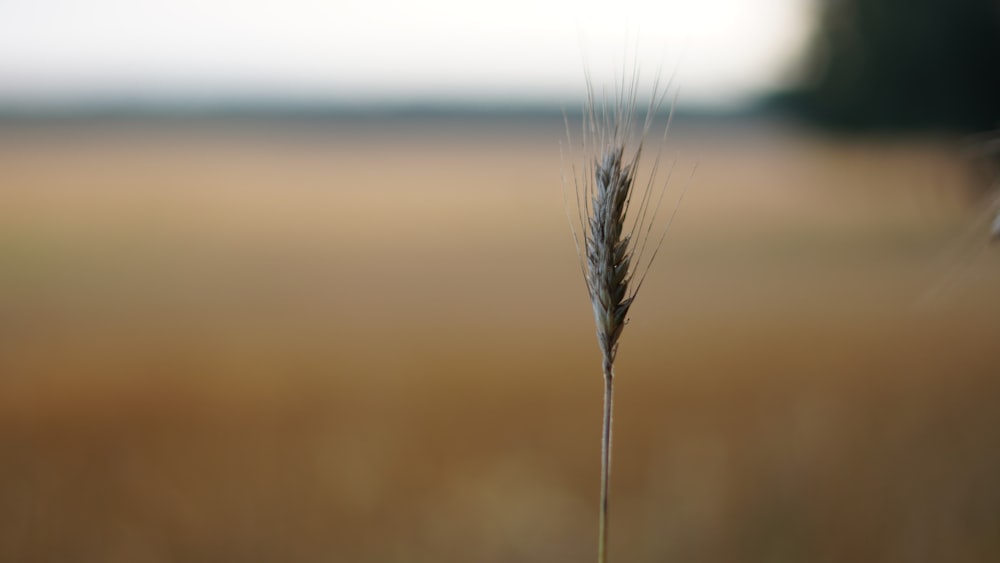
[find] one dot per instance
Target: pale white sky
(389, 50)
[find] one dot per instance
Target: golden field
(370, 342)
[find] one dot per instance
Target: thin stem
(602, 541)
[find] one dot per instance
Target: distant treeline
(883, 65)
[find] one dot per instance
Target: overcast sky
(722, 51)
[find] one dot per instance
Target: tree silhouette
(903, 65)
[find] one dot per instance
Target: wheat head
(617, 222)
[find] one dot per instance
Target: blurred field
(371, 343)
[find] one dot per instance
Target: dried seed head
(616, 226)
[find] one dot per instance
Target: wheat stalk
(616, 227)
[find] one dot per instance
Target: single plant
(616, 225)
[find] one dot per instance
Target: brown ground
(372, 344)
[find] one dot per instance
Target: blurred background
(293, 281)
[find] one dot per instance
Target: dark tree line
(902, 65)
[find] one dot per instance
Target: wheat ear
(616, 228)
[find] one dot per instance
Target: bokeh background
(294, 282)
